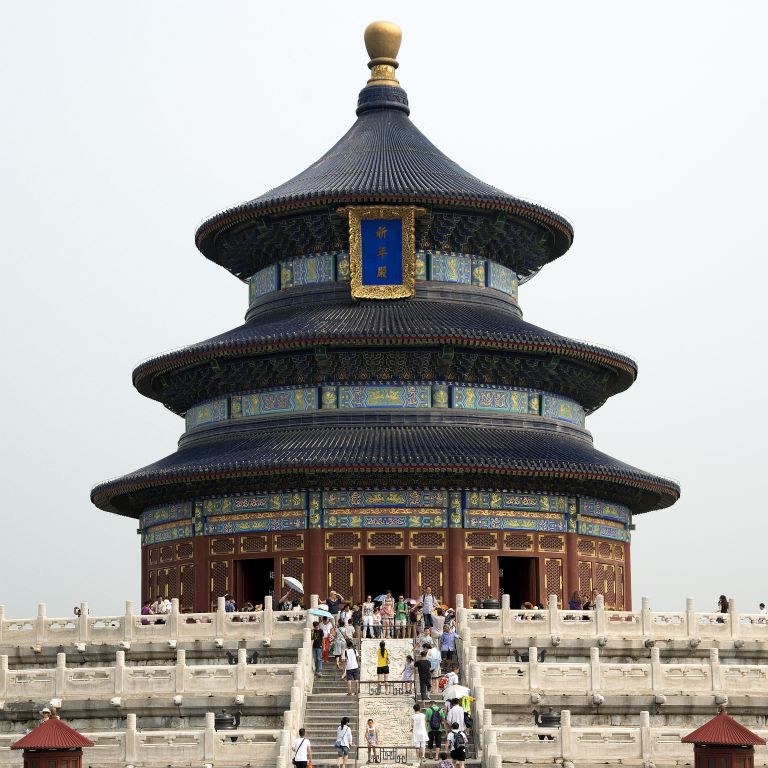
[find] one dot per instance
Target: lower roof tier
(326, 455)
(186, 376)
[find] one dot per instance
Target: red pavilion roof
(52, 734)
(724, 730)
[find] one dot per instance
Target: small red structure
(723, 743)
(53, 744)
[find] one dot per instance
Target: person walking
(424, 668)
(382, 667)
(368, 607)
(457, 744)
(302, 750)
(326, 628)
(377, 622)
(408, 671)
(433, 654)
(334, 601)
(447, 643)
(339, 643)
(317, 647)
(435, 717)
(351, 669)
(343, 741)
(401, 617)
(428, 605)
(372, 738)
(419, 736)
(388, 615)
(455, 716)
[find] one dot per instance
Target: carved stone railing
(170, 747)
(570, 746)
(131, 627)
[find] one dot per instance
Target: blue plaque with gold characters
(382, 251)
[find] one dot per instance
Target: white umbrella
(455, 692)
(294, 584)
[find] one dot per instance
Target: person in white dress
(419, 736)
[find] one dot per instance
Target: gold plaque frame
(407, 214)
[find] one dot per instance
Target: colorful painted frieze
(441, 397)
(165, 514)
(311, 270)
(388, 498)
(207, 413)
(422, 272)
(456, 511)
(265, 281)
(289, 400)
(329, 398)
(515, 501)
(605, 510)
(167, 532)
(502, 279)
(268, 521)
(394, 396)
(385, 517)
(554, 407)
(342, 266)
(286, 274)
(315, 516)
(450, 267)
(594, 526)
(501, 520)
(490, 399)
(258, 502)
(479, 271)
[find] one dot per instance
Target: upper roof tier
(384, 158)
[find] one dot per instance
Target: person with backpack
(457, 743)
(435, 716)
(351, 669)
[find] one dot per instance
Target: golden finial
(382, 41)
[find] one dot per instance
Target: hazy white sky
(122, 125)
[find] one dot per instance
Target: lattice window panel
(151, 585)
(550, 543)
(430, 569)
(586, 547)
(293, 566)
(219, 579)
(618, 552)
(187, 588)
(222, 546)
(518, 542)
(604, 550)
(340, 574)
(585, 578)
(479, 577)
(166, 553)
(253, 544)
(152, 554)
(481, 540)
(599, 578)
(427, 540)
(286, 541)
(553, 577)
(610, 586)
(620, 589)
(342, 540)
(385, 540)
(168, 582)
(184, 550)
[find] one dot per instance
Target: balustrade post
(242, 667)
(506, 615)
(221, 617)
(566, 752)
(40, 623)
(554, 615)
(533, 666)
(314, 601)
(690, 617)
(209, 736)
(600, 615)
(84, 630)
(128, 627)
(120, 674)
(60, 677)
(734, 619)
(131, 739)
(173, 619)
(3, 675)
(459, 601)
(2, 620)
(595, 669)
(268, 618)
(646, 744)
(479, 693)
(489, 740)
(656, 673)
(645, 617)
(714, 663)
(181, 669)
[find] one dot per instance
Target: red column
(627, 579)
(202, 575)
(314, 564)
(571, 568)
(457, 565)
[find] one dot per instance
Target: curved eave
(319, 457)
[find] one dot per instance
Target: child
(445, 761)
(457, 743)
(376, 622)
(408, 674)
(372, 737)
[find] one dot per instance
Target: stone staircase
(326, 705)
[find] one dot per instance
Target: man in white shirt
(351, 669)
(368, 607)
(428, 605)
(456, 715)
(302, 750)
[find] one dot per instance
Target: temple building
(385, 418)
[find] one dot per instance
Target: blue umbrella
(320, 612)
(379, 599)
